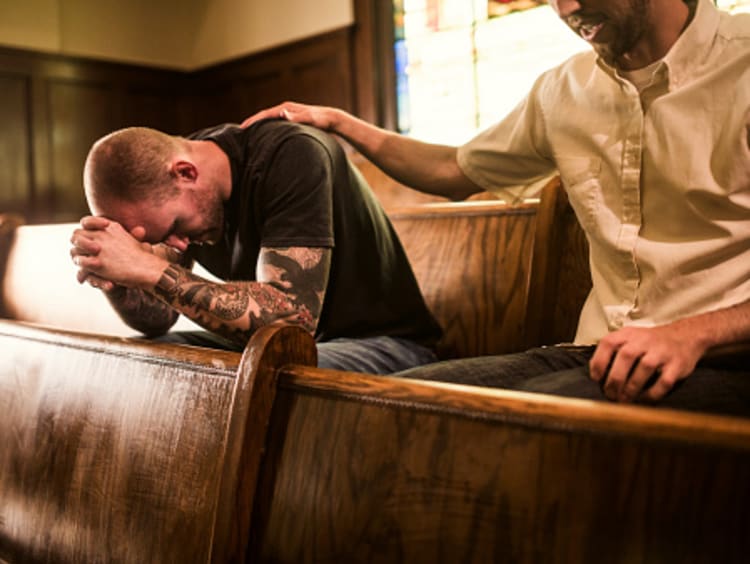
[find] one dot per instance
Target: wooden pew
(360, 468)
(356, 467)
(120, 450)
(499, 278)
(117, 450)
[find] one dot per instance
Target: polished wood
(81, 113)
(123, 450)
(173, 453)
(499, 277)
(472, 261)
(55, 107)
(524, 408)
(115, 450)
(314, 70)
(371, 469)
(15, 149)
(270, 348)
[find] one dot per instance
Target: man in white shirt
(650, 133)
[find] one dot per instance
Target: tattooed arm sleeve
(290, 289)
(143, 311)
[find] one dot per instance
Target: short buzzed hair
(131, 165)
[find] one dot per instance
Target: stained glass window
(461, 65)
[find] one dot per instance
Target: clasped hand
(107, 255)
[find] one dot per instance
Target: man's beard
(212, 211)
(629, 32)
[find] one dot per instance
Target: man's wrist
(169, 281)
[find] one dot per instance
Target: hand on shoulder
(321, 117)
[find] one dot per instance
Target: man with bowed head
(650, 133)
(279, 215)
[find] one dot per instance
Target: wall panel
(15, 143)
(52, 108)
(316, 70)
(80, 113)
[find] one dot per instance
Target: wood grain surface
(366, 469)
(112, 450)
(472, 262)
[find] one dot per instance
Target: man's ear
(185, 171)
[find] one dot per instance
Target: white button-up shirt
(660, 181)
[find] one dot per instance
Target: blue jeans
(374, 355)
(563, 370)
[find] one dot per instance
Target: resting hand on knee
(644, 363)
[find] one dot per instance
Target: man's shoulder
(569, 76)
(281, 130)
(216, 131)
(735, 26)
(582, 63)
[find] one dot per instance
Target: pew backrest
(473, 264)
(365, 468)
(113, 450)
(498, 277)
(121, 450)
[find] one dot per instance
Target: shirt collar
(690, 49)
(694, 44)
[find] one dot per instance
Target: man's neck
(216, 162)
(669, 19)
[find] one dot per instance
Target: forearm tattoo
(302, 273)
(292, 294)
(142, 311)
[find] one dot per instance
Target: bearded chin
(213, 212)
(615, 53)
(217, 218)
(607, 53)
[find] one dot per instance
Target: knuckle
(668, 380)
(649, 363)
(628, 353)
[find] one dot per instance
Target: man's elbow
(152, 328)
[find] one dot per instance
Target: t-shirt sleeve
(295, 199)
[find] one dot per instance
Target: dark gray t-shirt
(293, 186)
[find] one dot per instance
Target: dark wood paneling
(80, 114)
(316, 70)
(374, 71)
(560, 273)
(53, 107)
(151, 108)
(15, 157)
